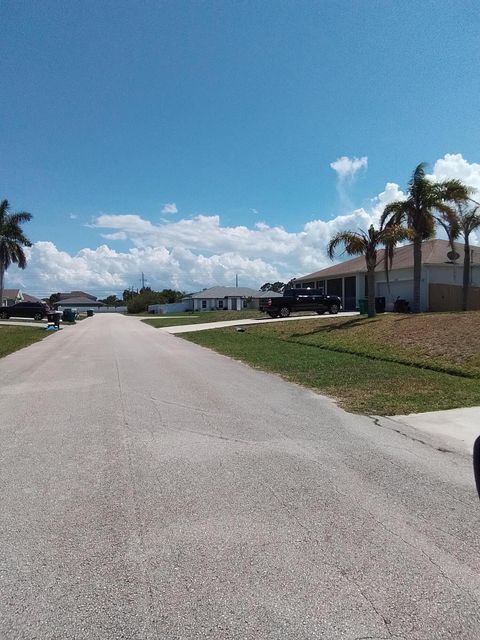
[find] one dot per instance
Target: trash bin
(363, 306)
(53, 319)
(380, 304)
(68, 315)
(89, 313)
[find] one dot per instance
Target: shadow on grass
(327, 328)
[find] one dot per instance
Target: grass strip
(15, 338)
(359, 384)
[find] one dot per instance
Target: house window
(220, 304)
(321, 285)
(204, 304)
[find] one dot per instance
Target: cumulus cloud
(346, 168)
(189, 254)
(454, 165)
(193, 253)
(170, 207)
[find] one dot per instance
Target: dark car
(35, 310)
(301, 300)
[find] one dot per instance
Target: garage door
(402, 289)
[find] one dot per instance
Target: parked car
(301, 300)
(35, 310)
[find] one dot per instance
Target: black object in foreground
(476, 463)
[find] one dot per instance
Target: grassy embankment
(14, 338)
(392, 364)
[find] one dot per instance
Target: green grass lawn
(14, 338)
(370, 366)
(201, 316)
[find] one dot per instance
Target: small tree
(465, 220)
(12, 241)
(367, 243)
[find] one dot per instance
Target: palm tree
(463, 223)
(425, 200)
(12, 240)
(366, 243)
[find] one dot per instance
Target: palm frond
(418, 174)
(353, 242)
(394, 213)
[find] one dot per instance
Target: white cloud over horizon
(197, 252)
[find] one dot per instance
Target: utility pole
(143, 280)
(236, 280)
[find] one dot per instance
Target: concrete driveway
(186, 328)
(152, 489)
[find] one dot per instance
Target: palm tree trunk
(466, 273)
(371, 292)
(2, 274)
(417, 272)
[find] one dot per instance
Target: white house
(441, 276)
(228, 298)
(11, 296)
(78, 300)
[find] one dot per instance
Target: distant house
(440, 285)
(228, 298)
(78, 300)
(11, 296)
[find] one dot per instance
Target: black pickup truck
(300, 300)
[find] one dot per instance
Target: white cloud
(73, 216)
(170, 207)
(193, 253)
(454, 165)
(119, 235)
(346, 168)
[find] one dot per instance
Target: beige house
(441, 283)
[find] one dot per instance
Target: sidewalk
(185, 328)
(458, 428)
(41, 324)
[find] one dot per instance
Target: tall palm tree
(425, 200)
(463, 223)
(12, 240)
(367, 243)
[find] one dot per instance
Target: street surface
(152, 489)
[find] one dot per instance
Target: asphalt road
(155, 490)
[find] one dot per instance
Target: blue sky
(229, 109)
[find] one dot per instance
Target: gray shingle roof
(226, 292)
(72, 302)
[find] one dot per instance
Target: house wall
(171, 307)
(400, 285)
(219, 304)
(453, 274)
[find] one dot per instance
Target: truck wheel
(37, 316)
(4, 315)
(334, 309)
(284, 312)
